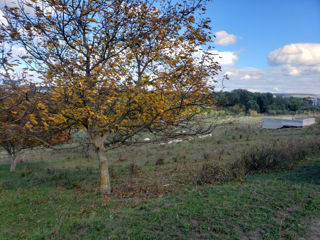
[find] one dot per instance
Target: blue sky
(259, 27)
(266, 45)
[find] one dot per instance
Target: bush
(210, 173)
(279, 155)
(159, 162)
(133, 169)
(253, 113)
(276, 155)
(237, 109)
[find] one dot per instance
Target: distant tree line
(242, 101)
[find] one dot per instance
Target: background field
(162, 191)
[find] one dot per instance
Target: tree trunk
(91, 152)
(98, 142)
(13, 162)
(105, 186)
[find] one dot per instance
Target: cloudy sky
(265, 45)
(271, 45)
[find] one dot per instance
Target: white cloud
(292, 71)
(11, 3)
(298, 71)
(229, 73)
(246, 77)
(3, 20)
(18, 51)
(253, 90)
(27, 9)
(225, 58)
(296, 54)
(271, 80)
(297, 58)
(224, 38)
(14, 50)
(249, 77)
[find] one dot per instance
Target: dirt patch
(255, 235)
(314, 231)
(282, 215)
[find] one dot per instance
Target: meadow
(240, 182)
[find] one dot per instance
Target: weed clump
(133, 169)
(206, 156)
(210, 174)
(159, 162)
(6, 184)
(26, 171)
(121, 158)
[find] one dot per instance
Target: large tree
(117, 67)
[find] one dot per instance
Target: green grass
(269, 205)
(58, 197)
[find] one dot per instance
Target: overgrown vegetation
(214, 187)
(268, 206)
(277, 155)
(262, 157)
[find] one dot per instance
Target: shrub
(210, 173)
(133, 169)
(276, 155)
(279, 155)
(160, 161)
(253, 113)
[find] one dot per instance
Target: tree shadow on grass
(308, 172)
(40, 174)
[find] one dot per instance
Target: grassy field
(157, 193)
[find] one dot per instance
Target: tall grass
(261, 157)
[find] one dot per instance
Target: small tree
(117, 67)
(253, 105)
(22, 123)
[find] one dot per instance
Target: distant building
(276, 123)
(315, 101)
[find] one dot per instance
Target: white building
(315, 101)
(276, 123)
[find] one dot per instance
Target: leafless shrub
(133, 169)
(221, 153)
(175, 159)
(6, 184)
(210, 173)
(206, 156)
(121, 158)
(160, 161)
(113, 173)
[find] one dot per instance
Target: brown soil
(314, 231)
